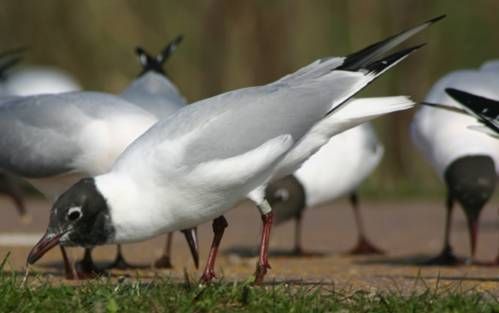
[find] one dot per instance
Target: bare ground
(410, 232)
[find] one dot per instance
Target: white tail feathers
(358, 111)
(369, 108)
(354, 113)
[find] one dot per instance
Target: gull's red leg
(219, 225)
(263, 260)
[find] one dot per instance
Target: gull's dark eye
(74, 214)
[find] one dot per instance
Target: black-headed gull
(485, 110)
(205, 158)
(53, 151)
(53, 140)
(466, 160)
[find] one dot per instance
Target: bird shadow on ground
(56, 268)
(251, 252)
(421, 260)
(457, 278)
(298, 282)
(409, 260)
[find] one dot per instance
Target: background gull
(485, 110)
(466, 160)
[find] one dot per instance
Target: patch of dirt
(410, 232)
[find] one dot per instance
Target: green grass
(165, 295)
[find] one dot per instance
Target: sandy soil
(408, 231)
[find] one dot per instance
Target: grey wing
(34, 143)
(239, 121)
(39, 134)
(155, 94)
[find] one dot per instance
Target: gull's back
(154, 93)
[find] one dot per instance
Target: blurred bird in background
(466, 160)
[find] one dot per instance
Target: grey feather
(154, 93)
(38, 133)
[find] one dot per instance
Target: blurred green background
(231, 44)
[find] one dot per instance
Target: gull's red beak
(48, 241)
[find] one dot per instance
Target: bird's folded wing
(41, 135)
(254, 165)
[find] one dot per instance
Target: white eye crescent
(74, 213)
(282, 194)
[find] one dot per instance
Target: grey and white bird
(467, 161)
(485, 110)
(28, 80)
(53, 151)
(200, 162)
(335, 171)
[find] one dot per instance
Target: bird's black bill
(191, 235)
(48, 241)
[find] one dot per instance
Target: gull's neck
(135, 213)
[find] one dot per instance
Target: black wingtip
(169, 49)
(178, 39)
(436, 19)
(457, 94)
(386, 62)
(479, 105)
(361, 58)
(155, 64)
